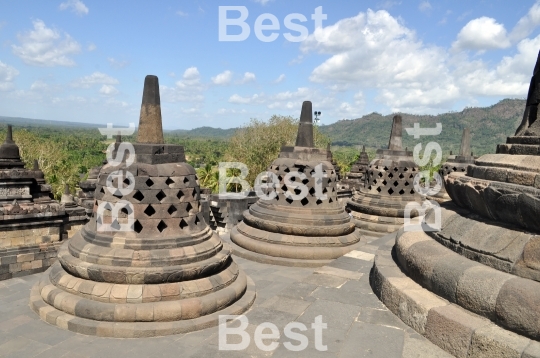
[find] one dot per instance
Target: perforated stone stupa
(310, 231)
(165, 272)
(355, 179)
(378, 207)
(473, 288)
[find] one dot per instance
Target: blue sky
(85, 61)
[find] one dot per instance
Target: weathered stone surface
(452, 329)
(491, 341)
(312, 227)
(163, 272)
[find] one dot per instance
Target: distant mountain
(28, 122)
(489, 126)
(206, 132)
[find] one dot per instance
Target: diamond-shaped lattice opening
(454, 168)
(330, 200)
(161, 226)
(189, 207)
(286, 170)
(304, 201)
(380, 175)
(161, 195)
(305, 181)
(297, 191)
(405, 169)
(406, 183)
(138, 196)
(124, 210)
(401, 192)
(374, 181)
(180, 194)
(312, 191)
(324, 191)
(318, 202)
(102, 191)
(463, 169)
(172, 209)
(284, 188)
(411, 176)
(384, 182)
(186, 180)
(127, 181)
(149, 210)
(396, 169)
(194, 193)
(369, 187)
(401, 176)
(280, 178)
(413, 169)
(390, 175)
(149, 182)
(412, 191)
(396, 183)
(301, 170)
(183, 224)
(390, 191)
(137, 227)
(386, 168)
(379, 189)
(169, 181)
(197, 220)
(289, 200)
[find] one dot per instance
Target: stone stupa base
(454, 329)
(285, 255)
(134, 311)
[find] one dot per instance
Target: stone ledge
(136, 329)
(447, 325)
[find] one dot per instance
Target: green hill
(489, 126)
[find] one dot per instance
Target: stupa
(31, 221)
(310, 230)
(473, 287)
(378, 208)
(455, 163)
(146, 264)
(355, 179)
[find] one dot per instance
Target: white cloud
(108, 90)
(248, 77)
(255, 99)
(425, 6)
(526, 24)
(7, 75)
(223, 78)
(116, 63)
(482, 34)
(280, 79)
(39, 86)
(94, 78)
(77, 6)
(43, 46)
(182, 14)
(263, 2)
(91, 47)
(188, 89)
(375, 52)
(388, 4)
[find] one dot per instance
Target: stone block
(492, 341)
(452, 328)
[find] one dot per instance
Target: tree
(258, 143)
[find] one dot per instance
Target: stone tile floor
(358, 324)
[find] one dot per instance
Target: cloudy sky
(85, 61)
